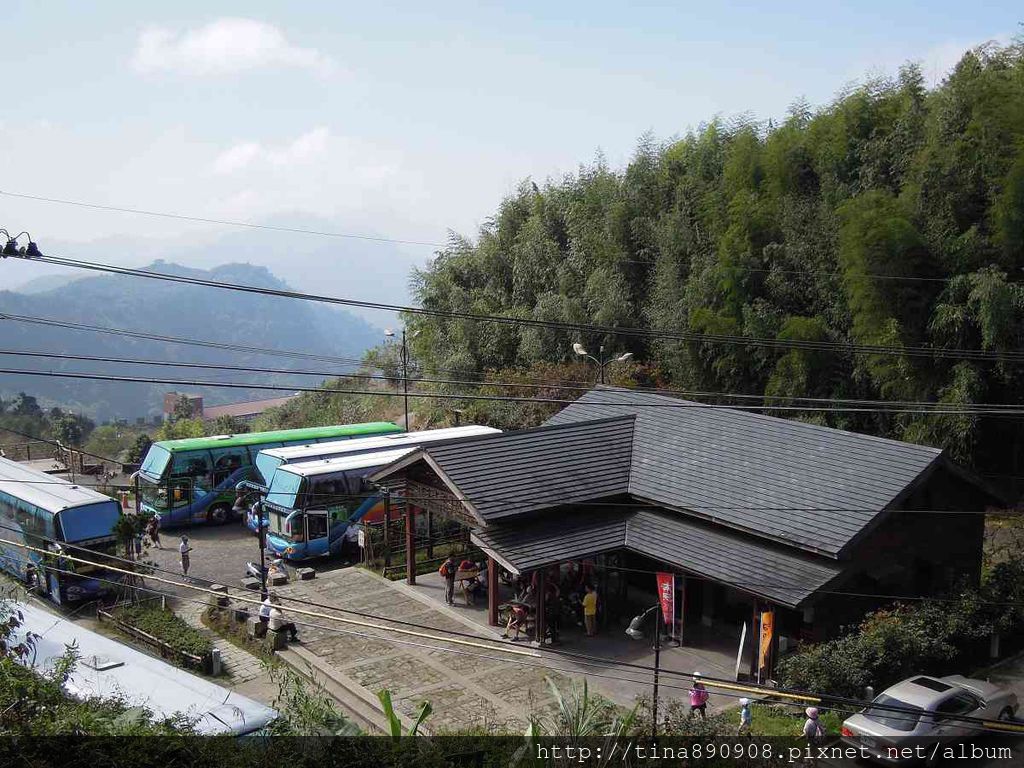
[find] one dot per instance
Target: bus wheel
(218, 514)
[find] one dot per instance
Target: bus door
(316, 532)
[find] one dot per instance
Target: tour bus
(311, 505)
(45, 512)
(193, 480)
(109, 669)
(270, 459)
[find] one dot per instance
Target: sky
(399, 120)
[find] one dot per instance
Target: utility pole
(263, 551)
(405, 379)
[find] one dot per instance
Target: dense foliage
(941, 636)
(892, 217)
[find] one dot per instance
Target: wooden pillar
(430, 534)
(539, 625)
(492, 592)
(755, 635)
(387, 529)
(410, 544)
(681, 578)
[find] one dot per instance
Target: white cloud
(248, 154)
(224, 46)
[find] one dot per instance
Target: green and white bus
(193, 480)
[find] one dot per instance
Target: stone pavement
(468, 687)
(238, 665)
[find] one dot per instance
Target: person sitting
(272, 616)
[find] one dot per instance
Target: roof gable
(511, 473)
(812, 487)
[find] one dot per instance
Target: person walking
(153, 531)
(590, 610)
(699, 697)
(745, 718)
(184, 548)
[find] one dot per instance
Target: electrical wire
(718, 683)
(299, 230)
(848, 348)
(1000, 412)
(881, 404)
(222, 222)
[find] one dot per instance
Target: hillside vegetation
(892, 217)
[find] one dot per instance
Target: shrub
(167, 627)
(934, 636)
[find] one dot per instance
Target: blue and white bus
(46, 512)
(311, 505)
(269, 460)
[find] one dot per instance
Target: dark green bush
(168, 627)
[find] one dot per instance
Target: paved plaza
(467, 686)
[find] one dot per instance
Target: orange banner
(767, 632)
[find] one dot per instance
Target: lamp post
(262, 536)
(405, 374)
(601, 361)
(634, 632)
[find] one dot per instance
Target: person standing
(699, 697)
(153, 530)
(447, 571)
(184, 548)
(745, 718)
(590, 610)
(813, 733)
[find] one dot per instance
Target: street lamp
(634, 632)
(601, 361)
(405, 374)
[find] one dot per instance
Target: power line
(820, 346)
(457, 382)
(302, 231)
(1001, 411)
(222, 222)
(711, 681)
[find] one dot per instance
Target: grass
(223, 625)
(774, 720)
(166, 626)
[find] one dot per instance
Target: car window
(902, 716)
(960, 704)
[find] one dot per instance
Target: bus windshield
(284, 489)
(155, 463)
(266, 465)
(93, 521)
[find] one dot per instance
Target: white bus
(108, 669)
(268, 460)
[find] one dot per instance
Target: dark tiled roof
(769, 571)
(516, 472)
(813, 487)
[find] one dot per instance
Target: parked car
(924, 714)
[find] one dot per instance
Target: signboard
(667, 597)
(767, 633)
(362, 538)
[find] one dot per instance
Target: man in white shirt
(270, 610)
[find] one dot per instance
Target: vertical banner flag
(667, 597)
(767, 632)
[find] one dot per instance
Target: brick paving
(465, 691)
(239, 665)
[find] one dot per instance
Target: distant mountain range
(169, 309)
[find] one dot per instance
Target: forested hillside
(891, 218)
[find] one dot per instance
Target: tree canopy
(891, 218)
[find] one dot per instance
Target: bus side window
(226, 461)
(191, 464)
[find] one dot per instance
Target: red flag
(667, 596)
